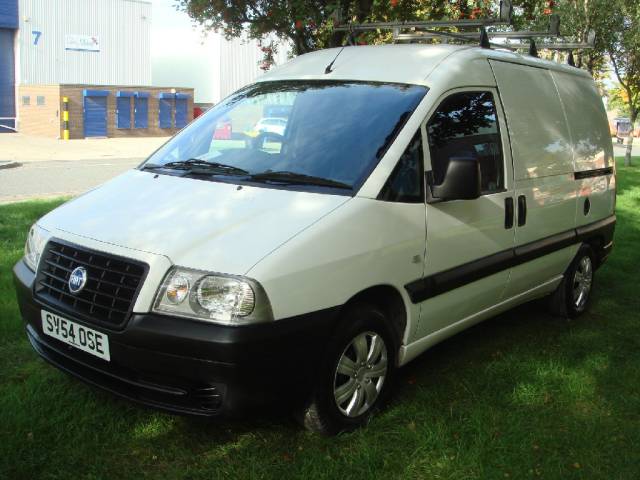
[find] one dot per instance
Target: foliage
(308, 24)
(618, 100)
(624, 52)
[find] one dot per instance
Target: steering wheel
(259, 140)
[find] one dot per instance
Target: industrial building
(82, 68)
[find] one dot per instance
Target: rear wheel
(355, 378)
(572, 296)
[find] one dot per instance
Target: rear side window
(466, 125)
(405, 184)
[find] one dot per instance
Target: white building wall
(213, 66)
(239, 64)
(123, 30)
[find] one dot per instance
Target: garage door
(181, 109)
(7, 80)
(123, 109)
(165, 104)
(141, 110)
(95, 113)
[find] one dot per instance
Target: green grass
(520, 396)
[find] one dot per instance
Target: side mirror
(461, 182)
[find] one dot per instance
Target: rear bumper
(190, 367)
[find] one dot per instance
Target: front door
(469, 242)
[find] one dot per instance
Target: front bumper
(190, 367)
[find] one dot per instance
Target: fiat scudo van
(409, 192)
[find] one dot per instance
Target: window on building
(40, 100)
(405, 184)
(466, 125)
(26, 100)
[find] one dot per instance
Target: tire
(367, 387)
(573, 295)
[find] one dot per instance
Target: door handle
(508, 213)
(522, 210)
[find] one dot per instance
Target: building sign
(84, 43)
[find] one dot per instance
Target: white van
(415, 190)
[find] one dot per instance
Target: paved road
(52, 178)
(620, 150)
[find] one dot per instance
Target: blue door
(7, 80)
(181, 110)
(95, 113)
(141, 110)
(123, 109)
(165, 104)
(9, 14)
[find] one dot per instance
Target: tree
(624, 52)
(619, 100)
(308, 24)
(577, 19)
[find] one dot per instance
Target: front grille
(109, 293)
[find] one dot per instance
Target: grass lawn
(520, 396)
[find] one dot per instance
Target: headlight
(217, 298)
(36, 239)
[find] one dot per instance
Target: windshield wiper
(294, 178)
(197, 166)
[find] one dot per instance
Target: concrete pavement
(23, 148)
(51, 168)
(55, 178)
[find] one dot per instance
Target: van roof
(398, 63)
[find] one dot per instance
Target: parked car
(406, 203)
(271, 125)
(623, 129)
(223, 129)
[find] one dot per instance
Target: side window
(466, 125)
(405, 184)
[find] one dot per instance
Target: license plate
(79, 336)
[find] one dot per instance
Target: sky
(168, 23)
(179, 51)
(184, 55)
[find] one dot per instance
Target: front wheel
(572, 296)
(355, 378)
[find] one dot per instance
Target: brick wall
(76, 98)
(42, 120)
(46, 120)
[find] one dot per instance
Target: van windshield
(308, 135)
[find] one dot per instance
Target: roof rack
(419, 31)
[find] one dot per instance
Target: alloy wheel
(582, 280)
(360, 374)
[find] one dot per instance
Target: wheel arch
(388, 299)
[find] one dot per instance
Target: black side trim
(441, 282)
(598, 172)
(606, 226)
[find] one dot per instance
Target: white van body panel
(381, 63)
(592, 148)
(413, 350)
(364, 244)
(543, 167)
(196, 224)
(530, 98)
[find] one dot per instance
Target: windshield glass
(324, 134)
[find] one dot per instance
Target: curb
(8, 164)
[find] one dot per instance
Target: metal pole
(65, 118)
